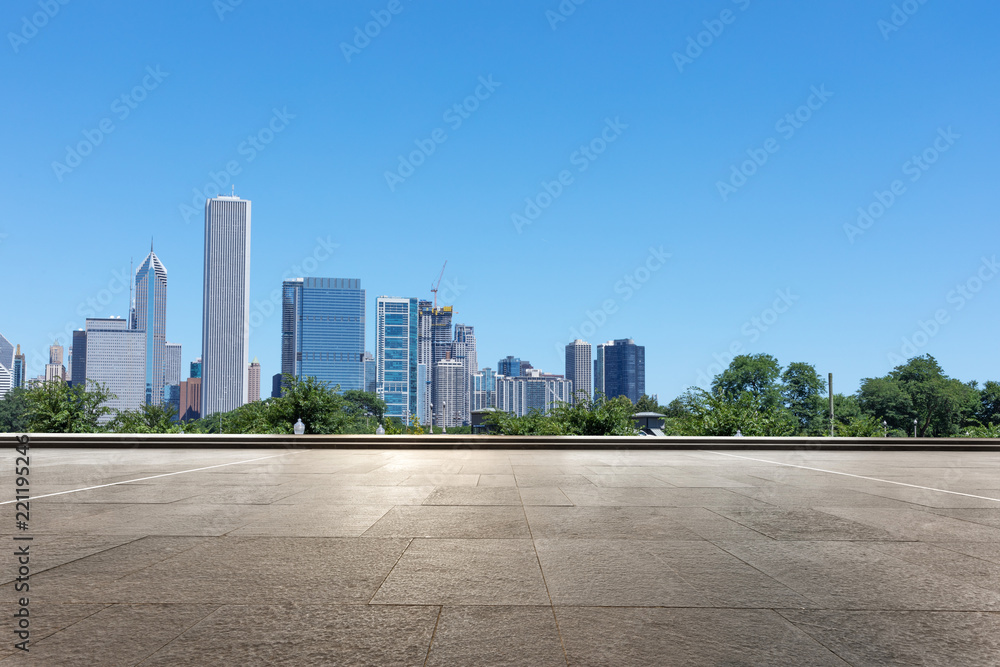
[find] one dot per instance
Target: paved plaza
(506, 557)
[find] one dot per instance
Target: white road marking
(847, 474)
(166, 474)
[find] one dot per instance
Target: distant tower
(578, 368)
(6, 365)
(20, 368)
(150, 317)
(396, 356)
(253, 379)
(463, 350)
(625, 369)
(225, 323)
(449, 397)
(323, 331)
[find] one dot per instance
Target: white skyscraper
(449, 394)
(463, 350)
(578, 368)
(225, 323)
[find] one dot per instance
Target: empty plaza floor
(504, 557)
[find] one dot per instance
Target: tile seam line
(848, 474)
(166, 474)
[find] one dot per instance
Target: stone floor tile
(463, 495)
(497, 637)
(452, 522)
(642, 637)
(465, 572)
(636, 523)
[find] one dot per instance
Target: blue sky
(822, 107)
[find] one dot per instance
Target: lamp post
(444, 416)
(432, 417)
(885, 429)
(914, 428)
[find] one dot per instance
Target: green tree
(146, 419)
(919, 389)
(14, 412)
(988, 410)
(648, 404)
(714, 413)
(56, 407)
(612, 416)
(803, 391)
(754, 373)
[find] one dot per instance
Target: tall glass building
(578, 367)
(151, 319)
(624, 369)
(20, 368)
(396, 356)
(323, 331)
(225, 322)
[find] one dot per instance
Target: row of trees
(56, 407)
(754, 396)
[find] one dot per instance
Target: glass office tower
(396, 356)
(323, 331)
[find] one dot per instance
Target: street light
(444, 416)
(914, 428)
(432, 417)
(885, 428)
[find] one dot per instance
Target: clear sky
(682, 171)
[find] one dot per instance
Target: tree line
(754, 396)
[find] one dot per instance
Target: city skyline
(818, 203)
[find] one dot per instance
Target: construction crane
(434, 288)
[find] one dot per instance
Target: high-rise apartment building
(463, 350)
(116, 358)
(521, 395)
(449, 393)
(150, 317)
(225, 324)
(578, 369)
(6, 366)
(396, 356)
(509, 367)
(172, 368)
(484, 389)
(323, 331)
(371, 376)
(253, 381)
(624, 369)
(20, 368)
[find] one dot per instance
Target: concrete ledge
(445, 441)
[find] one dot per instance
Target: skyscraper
(521, 395)
(449, 396)
(20, 368)
(599, 369)
(484, 389)
(6, 366)
(253, 381)
(151, 319)
(396, 356)
(116, 357)
(225, 323)
(578, 368)
(323, 331)
(371, 376)
(624, 369)
(463, 350)
(509, 367)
